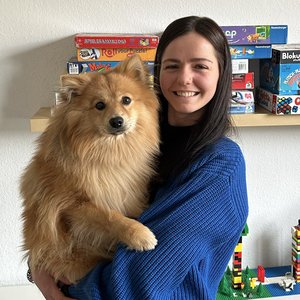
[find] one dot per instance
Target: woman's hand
(47, 286)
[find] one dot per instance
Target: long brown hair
(216, 121)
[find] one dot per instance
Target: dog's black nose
(116, 122)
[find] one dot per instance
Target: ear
(135, 68)
(72, 86)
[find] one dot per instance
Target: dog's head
(109, 103)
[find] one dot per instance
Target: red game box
(111, 40)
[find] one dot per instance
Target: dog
(88, 180)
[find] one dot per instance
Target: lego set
(262, 282)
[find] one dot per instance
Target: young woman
(199, 205)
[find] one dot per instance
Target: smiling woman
(188, 77)
(199, 198)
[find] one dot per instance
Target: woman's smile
(189, 76)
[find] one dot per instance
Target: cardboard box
(112, 40)
(118, 54)
(243, 81)
(75, 67)
(242, 102)
(240, 66)
(236, 108)
(250, 51)
(286, 54)
(278, 104)
(256, 34)
(281, 79)
(281, 74)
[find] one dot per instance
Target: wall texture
(35, 43)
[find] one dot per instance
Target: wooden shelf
(261, 117)
(264, 118)
(39, 120)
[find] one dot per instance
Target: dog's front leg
(131, 232)
(99, 227)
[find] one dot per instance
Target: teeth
(186, 94)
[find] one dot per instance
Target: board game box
(111, 40)
(75, 67)
(243, 81)
(250, 51)
(96, 54)
(256, 34)
(278, 104)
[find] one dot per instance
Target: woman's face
(188, 77)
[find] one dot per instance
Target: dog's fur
(89, 177)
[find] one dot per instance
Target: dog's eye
(100, 105)
(126, 100)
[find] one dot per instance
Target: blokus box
(256, 34)
(281, 74)
(286, 54)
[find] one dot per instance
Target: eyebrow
(196, 59)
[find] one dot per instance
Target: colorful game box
(256, 34)
(118, 54)
(111, 40)
(281, 74)
(75, 67)
(250, 51)
(278, 104)
(243, 81)
(242, 102)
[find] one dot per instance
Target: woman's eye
(171, 67)
(126, 100)
(200, 67)
(100, 105)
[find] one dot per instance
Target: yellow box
(119, 54)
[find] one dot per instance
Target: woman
(199, 205)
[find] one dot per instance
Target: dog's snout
(116, 122)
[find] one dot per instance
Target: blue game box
(281, 74)
(250, 51)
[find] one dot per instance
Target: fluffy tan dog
(89, 178)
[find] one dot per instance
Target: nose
(116, 122)
(185, 76)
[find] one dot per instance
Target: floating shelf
(261, 117)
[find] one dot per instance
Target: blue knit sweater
(197, 219)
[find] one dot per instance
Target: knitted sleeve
(202, 209)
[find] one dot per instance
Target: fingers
(47, 286)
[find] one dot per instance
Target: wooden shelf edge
(261, 118)
(39, 121)
(264, 118)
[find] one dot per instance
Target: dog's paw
(141, 238)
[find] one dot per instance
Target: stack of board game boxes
(248, 43)
(102, 51)
(279, 90)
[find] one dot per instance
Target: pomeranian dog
(89, 178)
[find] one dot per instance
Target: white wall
(35, 42)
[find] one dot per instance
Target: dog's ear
(135, 68)
(72, 86)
